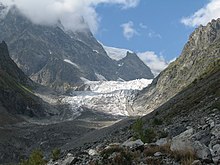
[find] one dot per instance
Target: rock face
(16, 97)
(199, 57)
(59, 58)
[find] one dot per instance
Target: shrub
(149, 135)
(36, 158)
(146, 135)
(137, 128)
(55, 154)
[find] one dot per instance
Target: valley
(63, 90)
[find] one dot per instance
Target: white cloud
(153, 34)
(143, 26)
(128, 30)
(155, 62)
(204, 15)
(70, 12)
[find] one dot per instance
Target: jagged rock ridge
(199, 57)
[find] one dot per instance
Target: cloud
(153, 34)
(155, 62)
(203, 15)
(143, 26)
(70, 12)
(150, 33)
(128, 30)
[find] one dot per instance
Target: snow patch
(116, 53)
(100, 77)
(96, 51)
(120, 64)
(72, 63)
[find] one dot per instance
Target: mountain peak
(203, 36)
(199, 58)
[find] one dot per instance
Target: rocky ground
(185, 130)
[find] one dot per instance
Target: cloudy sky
(155, 29)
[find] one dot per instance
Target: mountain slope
(129, 64)
(16, 97)
(199, 57)
(58, 58)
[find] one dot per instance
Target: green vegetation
(146, 135)
(36, 158)
(55, 154)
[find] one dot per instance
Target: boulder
(216, 153)
(182, 141)
(201, 151)
(137, 144)
(162, 141)
(216, 131)
(92, 152)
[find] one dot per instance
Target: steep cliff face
(126, 64)
(58, 58)
(200, 56)
(16, 97)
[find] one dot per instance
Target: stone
(211, 124)
(202, 151)
(114, 144)
(196, 162)
(92, 152)
(181, 141)
(133, 144)
(162, 141)
(216, 153)
(158, 154)
(216, 131)
(68, 161)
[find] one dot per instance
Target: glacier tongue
(110, 97)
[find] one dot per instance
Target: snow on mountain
(153, 61)
(116, 53)
(110, 97)
(72, 63)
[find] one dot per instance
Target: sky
(153, 25)
(155, 29)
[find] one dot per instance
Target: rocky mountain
(59, 58)
(200, 56)
(16, 96)
(126, 60)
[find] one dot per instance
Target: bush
(55, 154)
(149, 135)
(137, 128)
(36, 158)
(146, 135)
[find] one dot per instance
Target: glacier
(109, 97)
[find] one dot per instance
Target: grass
(185, 157)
